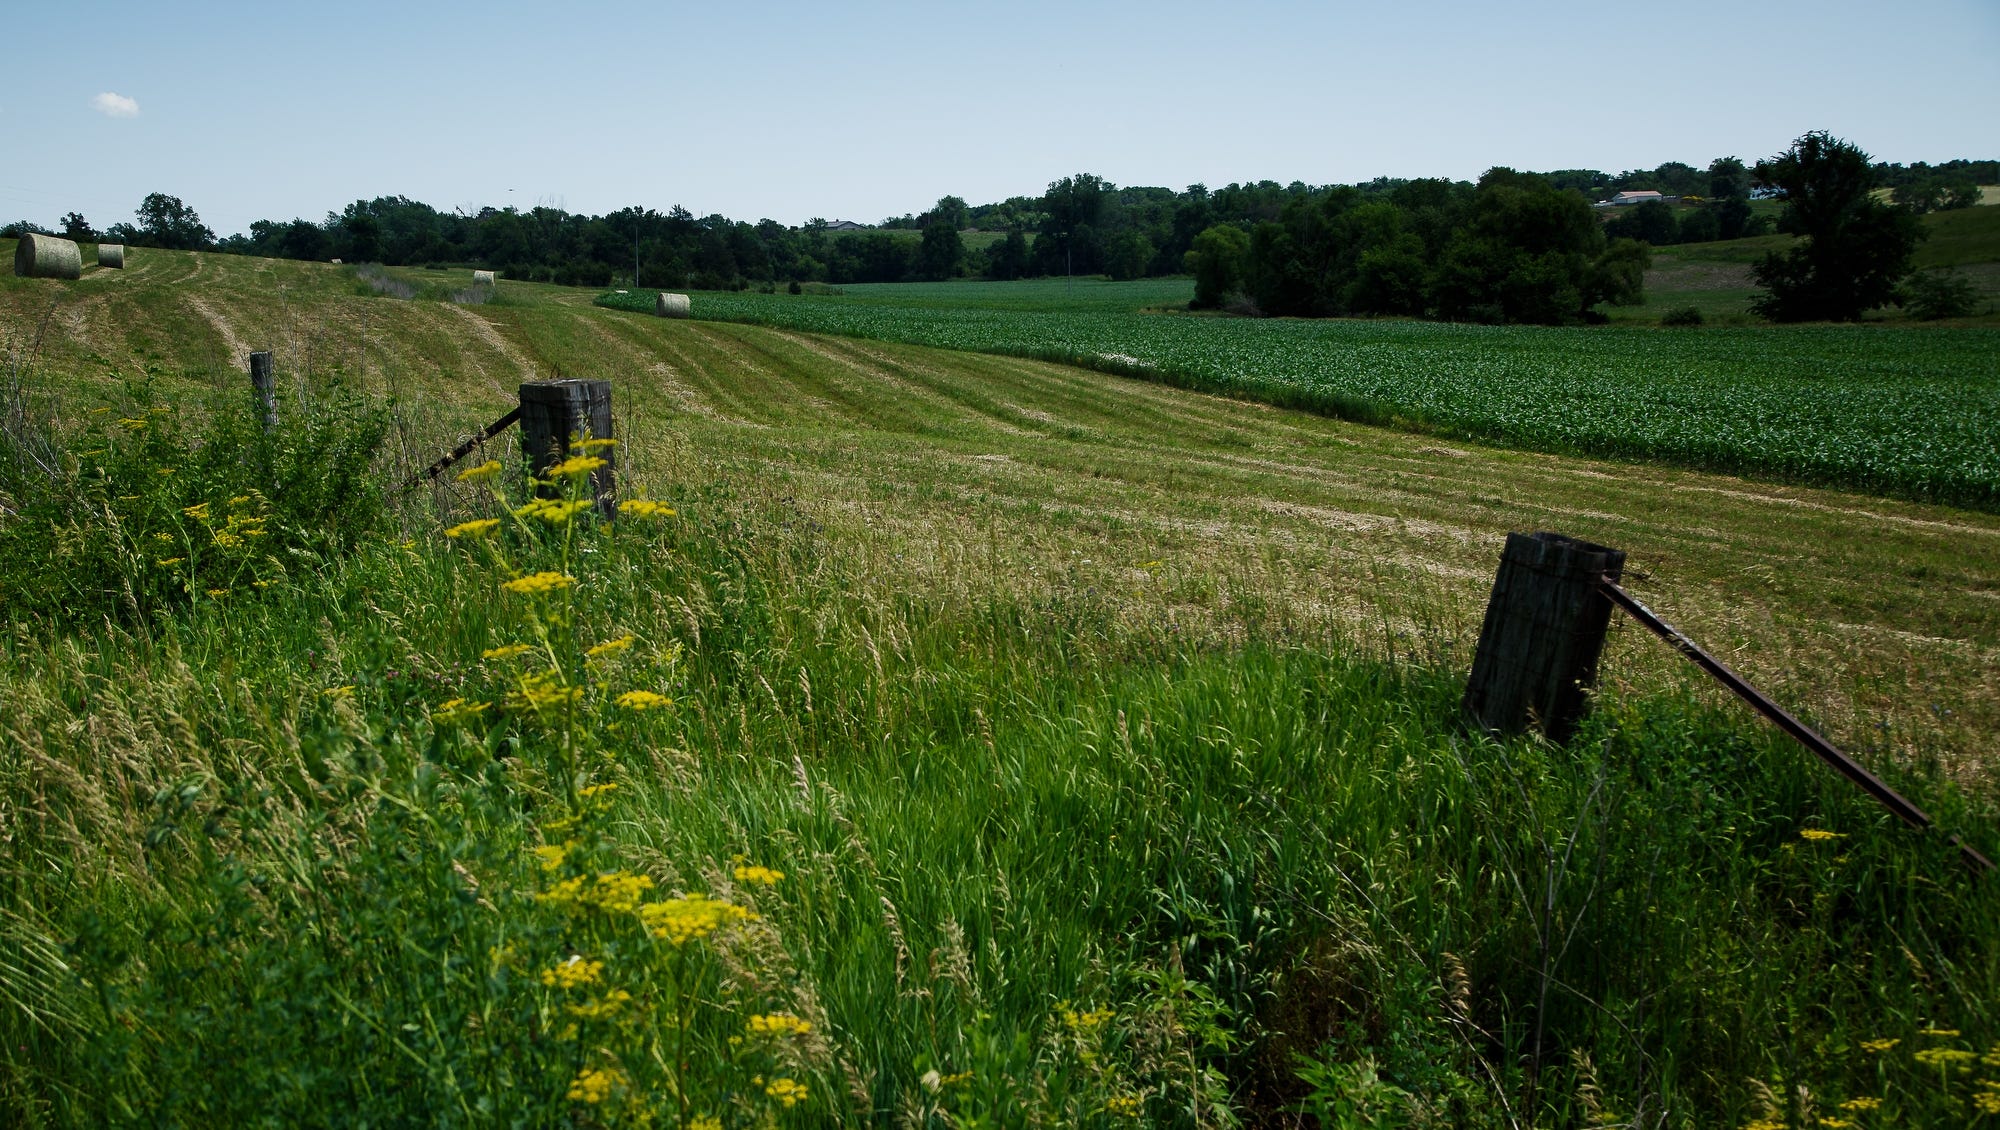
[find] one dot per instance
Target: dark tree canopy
(1853, 249)
(166, 222)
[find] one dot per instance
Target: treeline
(1514, 247)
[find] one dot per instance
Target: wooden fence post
(556, 413)
(1544, 630)
(263, 382)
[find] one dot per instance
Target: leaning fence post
(263, 383)
(553, 414)
(1544, 630)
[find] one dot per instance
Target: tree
(1216, 261)
(1853, 250)
(1008, 259)
(77, 228)
(942, 251)
(166, 222)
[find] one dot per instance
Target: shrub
(1932, 295)
(1681, 316)
(146, 506)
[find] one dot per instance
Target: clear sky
(789, 111)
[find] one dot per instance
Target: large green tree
(166, 222)
(1853, 249)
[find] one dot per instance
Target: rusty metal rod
(1847, 767)
(464, 449)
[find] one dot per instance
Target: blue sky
(274, 110)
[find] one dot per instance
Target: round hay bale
(47, 257)
(673, 306)
(482, 277)
(111, 255)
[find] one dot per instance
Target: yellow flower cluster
(778, 1024)
(644, 700)
(575, 973)
(594, 1085)
(554, 511)
(1085, 1021)
(505, 651)
(1818, 835)
(553, 855)
(703, 1121)
(616, 891)
(1764, 1124)
(481, 473)
(601, 1008)
(1987, 1099)
(198, 511)
(645, 508)
(339, 692)
(478, 527)
(1878, 1046)
(751, 873)
(1944, 1033)
(683, 919)
(1944, 1057)
(594, 444)
(577, 465)
(544, 694)
(788, 1092)
(1862, 1105)
(458, 711)
(535, 583)
(609, 647)
(1123, 1106)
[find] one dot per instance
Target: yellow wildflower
(1943, 1057)
(594, 444)
(543, 694)
(226, 540)
(480, 473)
(239, 500)
(645, 508)
(199, 511)
(1084, 1022)
(554, 511)
(505, 651)
(1878, 1045)
(620, 891)
(705, 1122)
(552, 855)
(594, 1085)
(100, 410)
(169, 562)
(218, 592)
(788, 1092)
(577, 465)
(539, 582)
(166, 470)
(601, 1007)
(643, 700)
(339, 692)
(1835, 1123)
(590, 792)
(1764, 1124)
(1818, 835)
(680, 920)
(572, 974)
(1861, 1105)
(609, 647)
(1123, 1106)
(474, 528)
(752, 873)
(458, 711)
(778, 1024)
(1986, 1102)
(1992, 1056)
(1940, 1032)
(131, 423)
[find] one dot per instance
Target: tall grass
(722, 831)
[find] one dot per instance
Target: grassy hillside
(1104, 734)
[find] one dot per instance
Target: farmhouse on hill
(844, 225)
(1625, 199)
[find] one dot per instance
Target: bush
(1932, 295)
(1681, 316)
(147, 507)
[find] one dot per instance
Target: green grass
(1106, 733)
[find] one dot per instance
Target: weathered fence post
(553, 415)
(264, 383)
(1544, 630)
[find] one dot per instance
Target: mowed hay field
(1879, 618)
(1046, 748)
